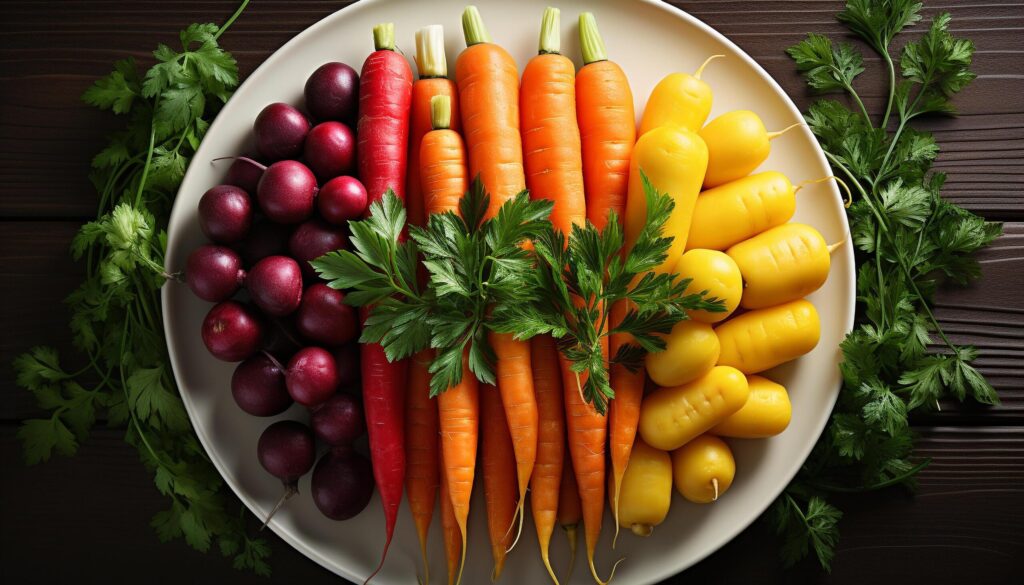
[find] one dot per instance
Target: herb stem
(828, 487)
(227, 24)
(892, 89)
(149, 158)
(856, 97)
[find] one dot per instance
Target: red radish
(330, 150)
(245, 173)
(286, 450)
(232, 331)
(214, 273)
(312, 239)
(258, 387)
(332, 92)
(275, 285)
(342, 199)
(385, 94)
(287, 191)
(266, 238)
(339, 421)
(280, 130)
(346, 359)
(225, 214)
(324, 317)
(342, 483)
(311, 376)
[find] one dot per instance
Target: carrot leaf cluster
(909, 241)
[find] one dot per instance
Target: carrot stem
(430, 58)
(591, 43)
(550, 39)
(440, 112)
(700, 70)
(384, 36)
(473, 27)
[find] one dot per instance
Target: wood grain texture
(72, 517)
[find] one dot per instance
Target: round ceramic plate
(648, 39)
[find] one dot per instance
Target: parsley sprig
(476, 266)
(909, 239)
(115, 318)
(578, 284)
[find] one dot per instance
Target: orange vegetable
(500, 492)
(569, 512)
(488, 82)
(421, 473)
(450, 530)
(604, 111)
(623, 411)
(547, 473)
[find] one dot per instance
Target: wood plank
(968, 506)
(48, 136)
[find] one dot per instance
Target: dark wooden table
(86, 518)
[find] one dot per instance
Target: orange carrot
(488, 81)
(443, 181)
(551, 137)
(459, 416)
(500, 492)
(433, 71)
(547, 474)
(569, 513)
(421, 474)
(623, 411)
(449, 528)
(604, 110)
(587, 431)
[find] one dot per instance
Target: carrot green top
(440, 112)
(384, 36)
(590, 40)
(473, 27)
(430, 59)
(550, 40)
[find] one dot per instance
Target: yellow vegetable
(703, 469)
(740, 209)
(671, 417)
(646, 490)
(766, 413)
(783, 264)
(674, 160)
(680, 100)
(764, 338)
(714, 272)
(737, 144)
(691, 350)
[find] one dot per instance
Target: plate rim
(295, 540)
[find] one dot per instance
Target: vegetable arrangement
(555, 261)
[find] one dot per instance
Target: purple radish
(346, 361)
(225, 214)
(332, 92)
(258, 387)
(330, 150)
(280, 130)
(323, 316)
(275, 285)
(232, 331)
(342, 483)
(244, 173)
(214, 273)
(312, 239)
(266, 238)
(287, 192)
(311, 376)
(342, 199)
(339, 421)
(287, 450)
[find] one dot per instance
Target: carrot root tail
(462, 559)
(615, 508)
(383, 557)
(571, 534)
(426, 562)
(593, 570)
(517, 522)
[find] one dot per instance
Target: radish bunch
(294, 336)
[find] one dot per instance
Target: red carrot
(385, 90)
(385, 94)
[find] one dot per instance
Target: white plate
(649, 39)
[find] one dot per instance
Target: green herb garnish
(115, 318)
(908, 238)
